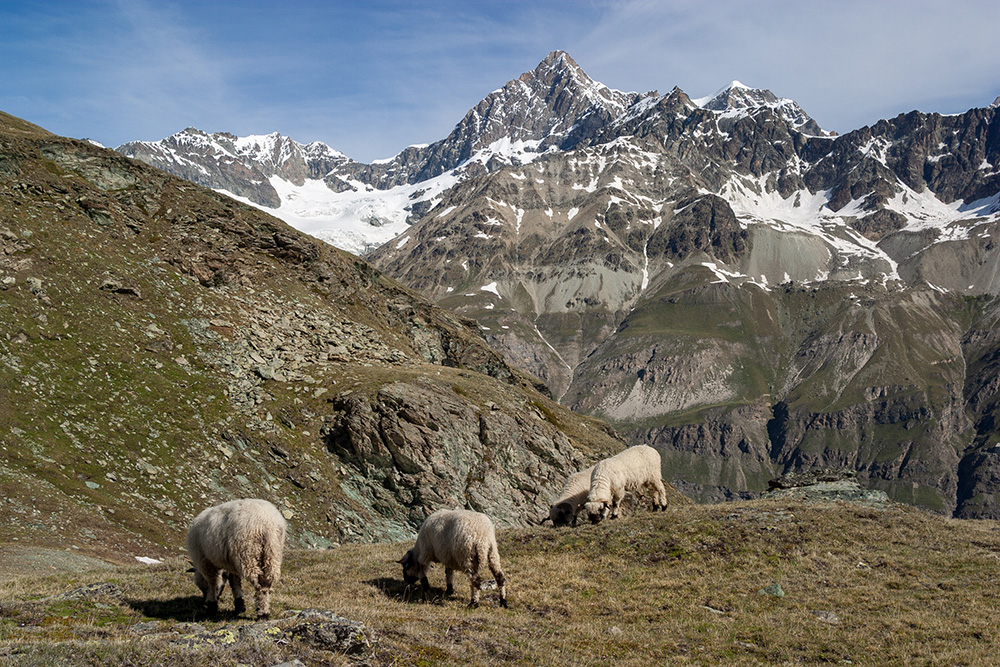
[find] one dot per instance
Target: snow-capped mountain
(722, 279)
(358, 207)
(719, 277)
(737, 99)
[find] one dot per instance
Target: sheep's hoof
(212, 608)
(450, 590)
(239, 606)
(503, 603)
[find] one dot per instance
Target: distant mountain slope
(725, 281)
(721, 277)
(357, 207)
(164, 348)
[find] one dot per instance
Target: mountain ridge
(738, 288)
(514, 124)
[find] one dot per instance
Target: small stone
(826, 616)
(774, 590)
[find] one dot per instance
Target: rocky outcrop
(822, 485)
(418, 446)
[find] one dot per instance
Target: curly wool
(460, 540)
(564, 509)
(245, 539)
(613, 477)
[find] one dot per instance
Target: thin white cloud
(845, 62)
(371, 78)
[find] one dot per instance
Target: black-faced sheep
(246, 540)
(564, 509)
(460, 540)
(626, 471)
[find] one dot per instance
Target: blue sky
(370, 78)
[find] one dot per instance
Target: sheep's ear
(544, 519)
(401, 561)
(190, 569)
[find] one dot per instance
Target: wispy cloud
(371, 78)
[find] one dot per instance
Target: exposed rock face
(825, 486)
(239, 165)
(164, 348)
(420, 445)
(556, 104)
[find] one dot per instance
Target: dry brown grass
(864, 586)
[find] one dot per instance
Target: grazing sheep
(246, 539)
(563, 511)
(626, 471)
(459, 540)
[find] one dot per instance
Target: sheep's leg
(501, 585)
(424, 584)
(616, 500)
(661, 494)
(262, 601)
(449, 577)
(239, 606)
(476, 582)
(215, 581)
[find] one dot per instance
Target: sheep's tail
(268, 568)
(272, 549)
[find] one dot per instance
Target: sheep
(626, 471)
(246, 539)
(574, 494)
(460, 540)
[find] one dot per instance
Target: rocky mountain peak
(558, 72)
(737, 96)
(739, 99)
(996, 103)
(556, 103)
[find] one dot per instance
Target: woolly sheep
(626, 471)
(564, 509)
(460, 540)
(244, 538)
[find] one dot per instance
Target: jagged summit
(738, 98)
(240, 165)
(555, 103)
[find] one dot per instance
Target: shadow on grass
(398, 590)
(187, 609)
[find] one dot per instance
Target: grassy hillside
(164, 348)
(863, 585)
